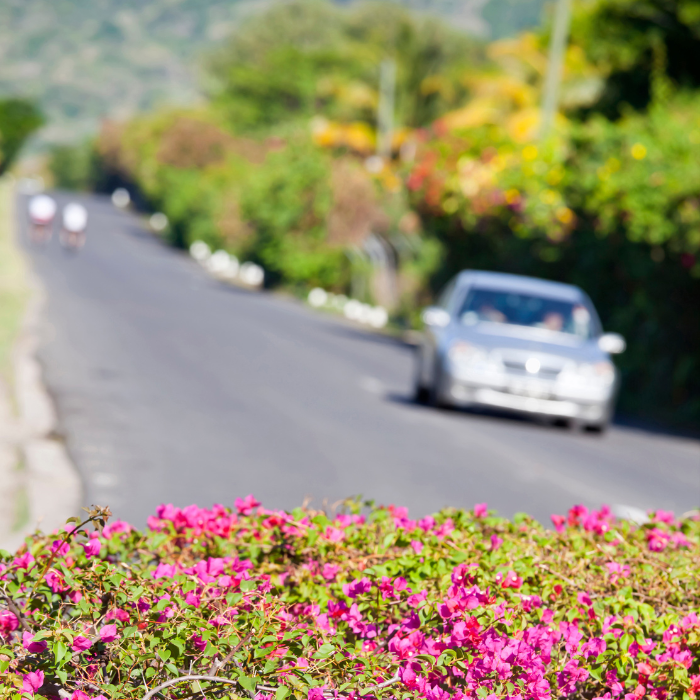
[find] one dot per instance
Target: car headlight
(598, 372)
(463, 353)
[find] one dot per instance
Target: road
(172, 387)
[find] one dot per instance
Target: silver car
(520, 344)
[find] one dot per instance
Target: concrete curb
(50, 480)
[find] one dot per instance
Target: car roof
(520, 283)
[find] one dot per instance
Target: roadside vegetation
(279, 167)
(367, 603)
(14, 291)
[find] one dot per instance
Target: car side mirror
(612, 343)
(434, 316)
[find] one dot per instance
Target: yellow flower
(512, 196)
(565, 215)
(638, 151)
(530, 152)
(555, 175)
(549, 196)
(450, 205)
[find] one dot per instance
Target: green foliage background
(610, 202)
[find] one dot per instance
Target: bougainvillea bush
(261, 604)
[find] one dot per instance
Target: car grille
(516, 367)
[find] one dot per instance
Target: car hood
(536, 341)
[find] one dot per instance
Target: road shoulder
(41, 487)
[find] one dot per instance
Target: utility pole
(385, 111)
(555, 64)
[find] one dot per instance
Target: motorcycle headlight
(463, 353)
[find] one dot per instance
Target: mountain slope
(87, 59)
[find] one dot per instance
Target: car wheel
(597, 428)
(436, 398)
(421, 395)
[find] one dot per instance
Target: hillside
(86, 59)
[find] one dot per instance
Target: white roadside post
(385, 111)
(555, 65)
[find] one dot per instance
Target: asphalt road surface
(172, 387)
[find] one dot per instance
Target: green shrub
(367, 603)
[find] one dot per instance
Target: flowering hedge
(367, 603)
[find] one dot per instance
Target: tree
(19, 119)
(309, 57)
(636, 42)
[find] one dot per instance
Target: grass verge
(14, 290)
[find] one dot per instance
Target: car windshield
(517, 308)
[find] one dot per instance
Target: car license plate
(529, 387)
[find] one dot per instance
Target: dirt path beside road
(40, 486)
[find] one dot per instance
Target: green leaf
(59, 651)
(325, 651)
(247, 683)
(164, 654)
(270, 666)
(281, 692)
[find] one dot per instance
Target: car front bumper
(536, 398)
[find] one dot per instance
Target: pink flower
(593, 647)
(164, 571)
(8, 622)
(192, 599)
(219, 621)
(584, 599)
(323, 623)
(92, 548)
(530, 601)
(496, 542)
(330, 571)
(23, 562)
(445, 529)
(79, 695)
(680, 540)
(81, 644)
(426, 524)
(60, 548)
(617, 571)
(357, 587)
(417, 599)
(559, 522)
(199, 644)
(117, 614)
(108, 633)
(115, 527)
(31, 646)
(417, 546)
(481, 510)
(657, 539)
(663, 516)
(510, 580)
(55, 582)
(32, 681)
(316, 694)
(246, 505)
(334, 534)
